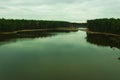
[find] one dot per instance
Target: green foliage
(13, 25)
(104, 25)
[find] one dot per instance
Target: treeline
(79, 25)
(16, 24)
(111, 25)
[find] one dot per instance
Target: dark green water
(59, 56)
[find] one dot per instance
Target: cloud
(68, 10)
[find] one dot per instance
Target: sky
(64, 10)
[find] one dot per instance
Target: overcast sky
(67, 10)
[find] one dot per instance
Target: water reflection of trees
(4, 39)
(104, 40)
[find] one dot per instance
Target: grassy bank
(93, 32)
(49, 29)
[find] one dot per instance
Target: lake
(59, 56)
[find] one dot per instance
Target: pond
(59, 56)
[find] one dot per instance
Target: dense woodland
(79, 25)
(104, 25)
(16, 24)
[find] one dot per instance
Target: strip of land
(103, 33)
(30, 30)
(61, 29)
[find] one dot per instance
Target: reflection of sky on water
(65, 56)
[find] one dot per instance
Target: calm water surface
(61, 56)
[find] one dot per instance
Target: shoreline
(30, 30)
(59, 29)
(103, 33)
